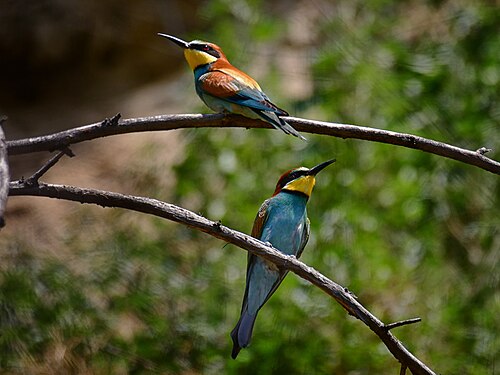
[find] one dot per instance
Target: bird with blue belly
(281, 221)
(224, 88)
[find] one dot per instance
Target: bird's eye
(292, 176)
(206, 48)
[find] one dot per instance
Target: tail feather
(242, 333)
(279, 123)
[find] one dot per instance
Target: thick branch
(4, 174)
(216, 229)
(105, 128)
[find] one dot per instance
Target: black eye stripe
(213, 52)
(292, 176)
(206, 48)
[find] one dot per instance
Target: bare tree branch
(216, 229)
(402, 323)
(33, 179)
(4, 174)
(112, 126)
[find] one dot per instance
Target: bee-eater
(282, 221)
(224, 88)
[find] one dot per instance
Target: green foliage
(411, 234)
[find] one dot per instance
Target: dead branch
(113, 126)
(216, 229)
(4, 174)
(33, 179)
(402, 323)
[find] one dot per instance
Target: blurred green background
(91, 290)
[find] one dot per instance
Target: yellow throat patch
(196, 58)
(302, 184)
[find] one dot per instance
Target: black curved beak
(179, 42)
(315, 170)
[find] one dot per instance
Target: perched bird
(282, 221)
(224, 88)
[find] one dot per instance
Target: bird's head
(198, 52)
(301, 179)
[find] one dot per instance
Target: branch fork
(244, 241)
(33, 179)
(113, 126)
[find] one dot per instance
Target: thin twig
(169, 122)
(113, 121)
(387, 327)
(216, 229)
(483, 150)
(33, 179)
